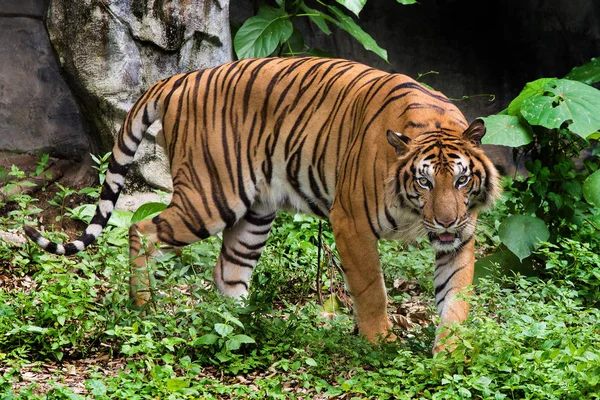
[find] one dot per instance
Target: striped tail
(144, 112)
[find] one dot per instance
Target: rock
(112, 51)
(37, 110)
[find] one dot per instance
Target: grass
(67, 330)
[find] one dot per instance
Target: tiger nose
(445, 222)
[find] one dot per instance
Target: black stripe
(146, 118)
(51, 247)
(233, 260)
(367, 216)
(71, 249)
(256, 246)
(391, 219)
(257, 220)
(248, 256)
(260, 233)
(115, 168)
(233, 283)
(438, 289)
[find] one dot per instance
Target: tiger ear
(475, 132)
(399, 141)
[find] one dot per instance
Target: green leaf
(244, 339)
(573, 188)
(84, 212)
(261, 34)
(502, 263)
(120, 219)
(353, 5)
(333, 305)
(294, 45)
(522, 234)
(175, 384)
(147, 210)
(588, 73)
(37, 329)
(309, 361)
(407, 2)
(591, 189)
(236, 341)
(96, 387)
(563, 101)
(209, 338)
(347, 24)
(223, 329)
(506, 130)
(531, 89)
(317, 18)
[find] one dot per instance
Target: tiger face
(445, 180)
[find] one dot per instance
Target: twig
(320, 244)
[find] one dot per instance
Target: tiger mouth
(443, 238)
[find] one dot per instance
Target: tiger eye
(424, 182)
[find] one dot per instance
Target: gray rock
(37, 111)
(23, 8)
(113, 51)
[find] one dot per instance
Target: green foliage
(550, 123)
(591, 189)
(588, 73)
(562, 101)
(261, 34)
(507, 130)
(271, 31)
(522, 234)
(102, 165)
(526, 338)
(147, 211)
(575, 263)
(60, 199)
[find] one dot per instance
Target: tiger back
(378, 154)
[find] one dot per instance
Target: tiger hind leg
(170, 229)
(242, 246)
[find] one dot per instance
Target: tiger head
(445, 179)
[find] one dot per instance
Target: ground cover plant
(67, 328)
(67, 331)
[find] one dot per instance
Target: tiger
(378, 154)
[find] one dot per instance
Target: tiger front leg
(363, 276)
(453, 274)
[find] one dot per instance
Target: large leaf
(176, 384)
(260, 35)
(587, 73)
(346, 23)
(223, 329)
(561, 101)
(147, 210)
(236, 341)
(317, 18)
(531, 88)
(522, 234)
(591, 189)
(502, 263)
(353, 5)
(506, 130)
